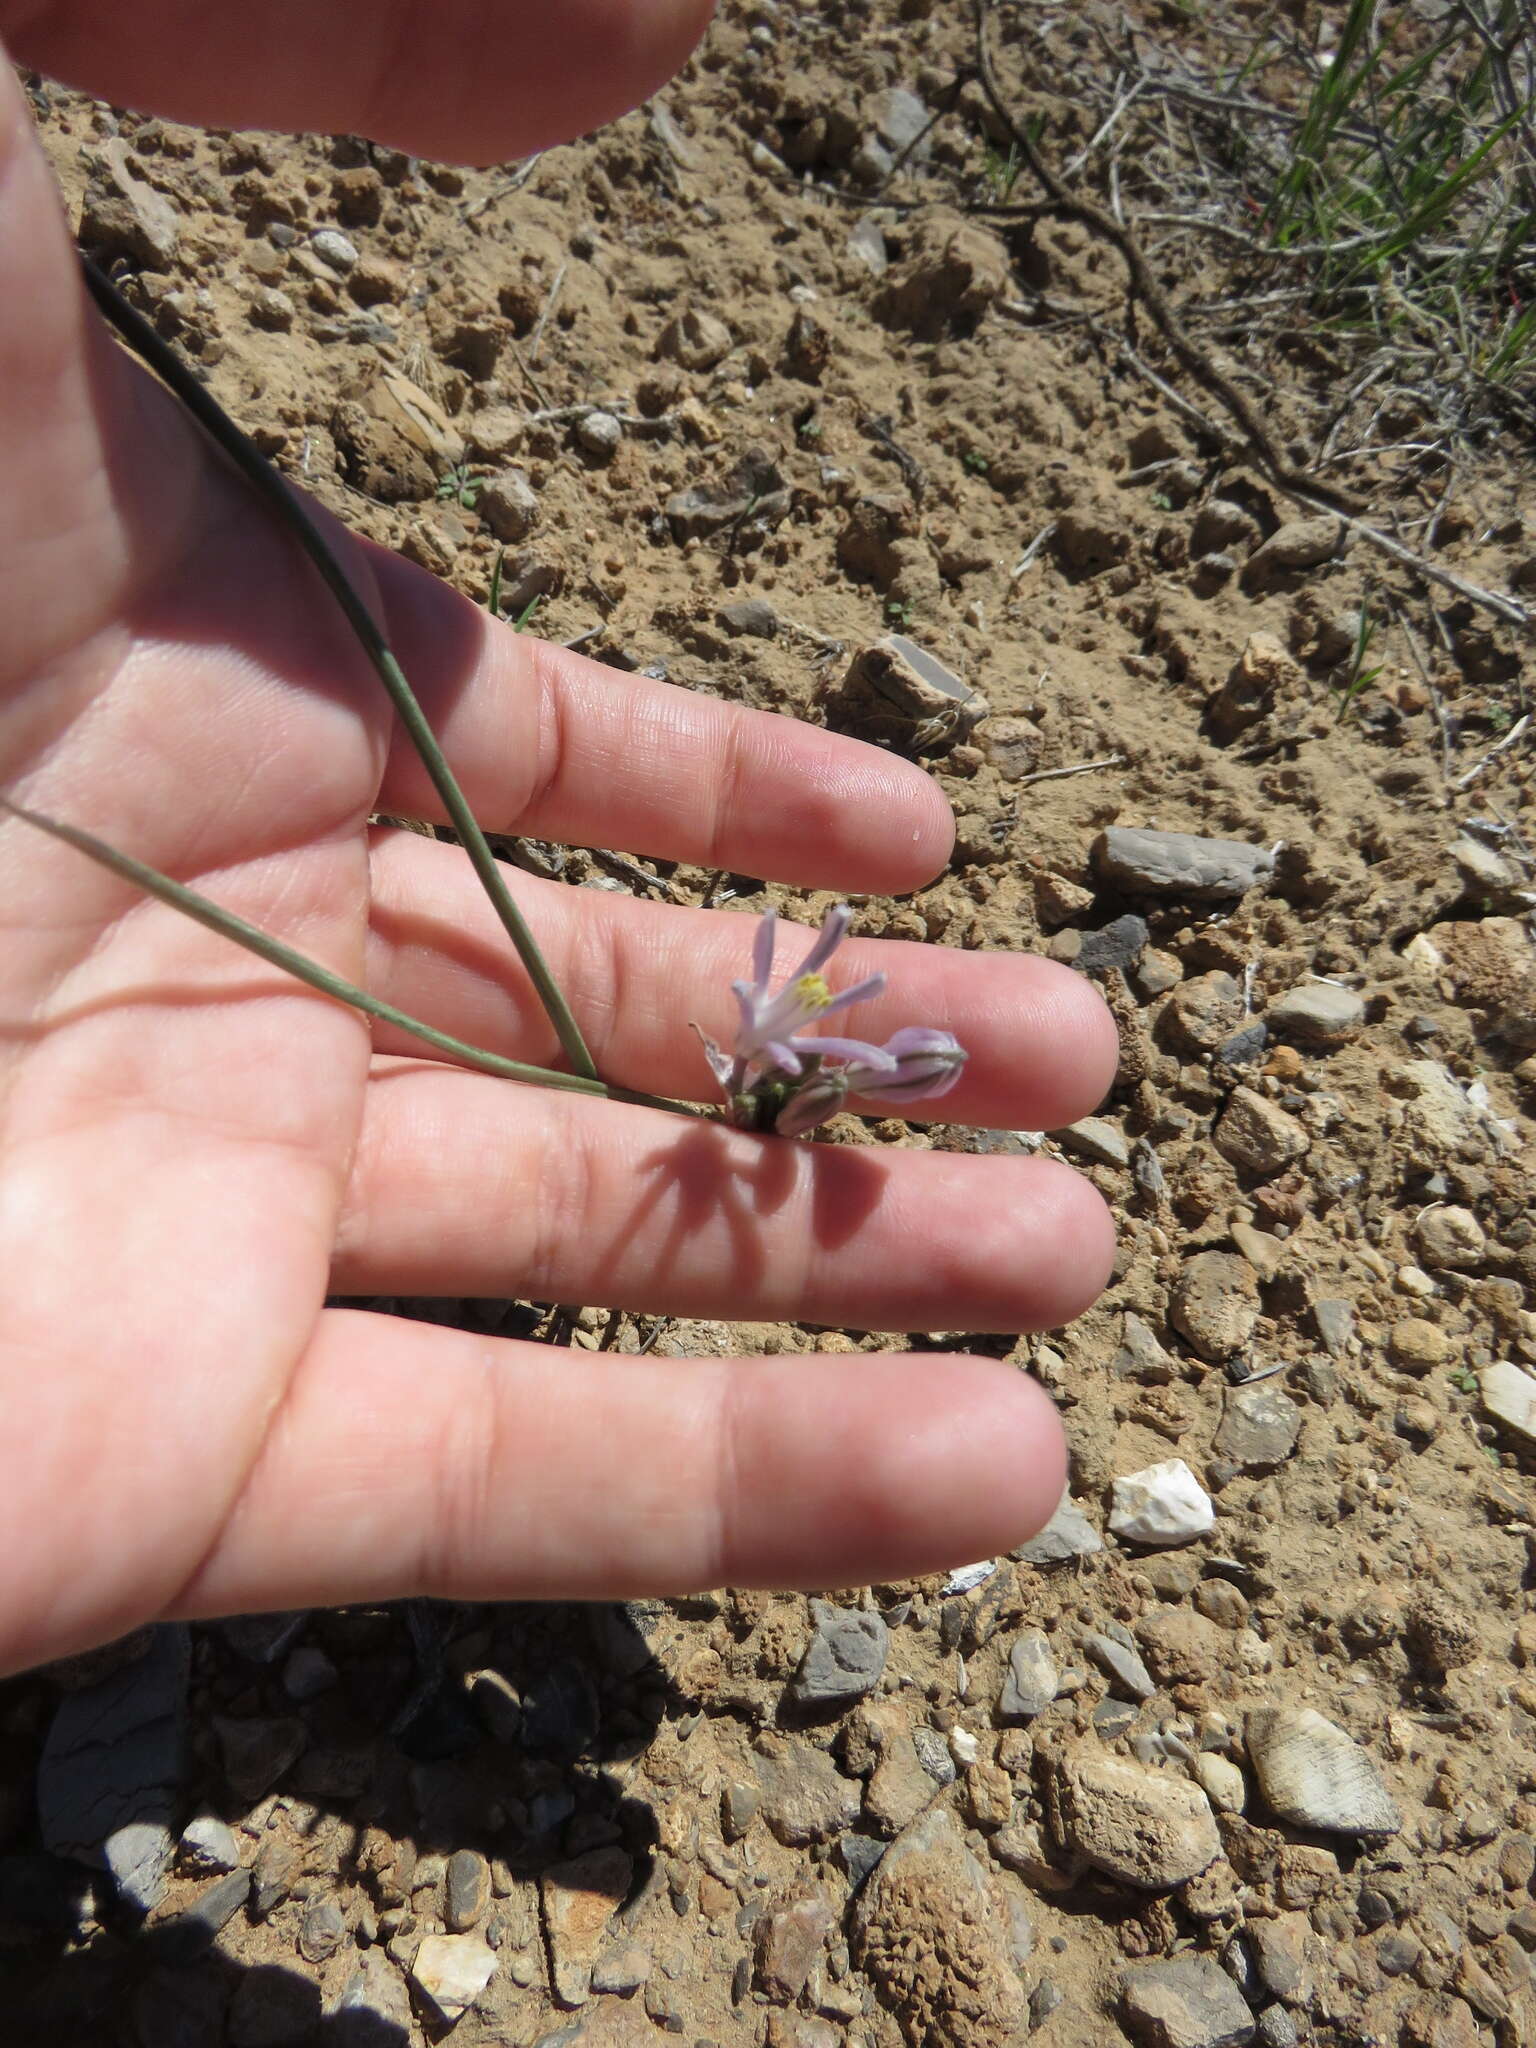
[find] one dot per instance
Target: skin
(195, 1151)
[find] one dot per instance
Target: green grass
(1413, 174)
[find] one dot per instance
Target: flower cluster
(780, 1077)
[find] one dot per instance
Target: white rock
(599, 433)
(1316, 1776)
(334, 248)
(1509, 1395)
(1161, 1505)
(208, 1843)
(963, 1747)
(451, 1971)
(965, 1576)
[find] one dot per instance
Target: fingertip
(982, 1473)
(1071, 1242)
(1079, 1038)
(885, 825)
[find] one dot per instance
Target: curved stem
(141, 337)
(206, 912)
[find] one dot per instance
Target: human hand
(195, 1151)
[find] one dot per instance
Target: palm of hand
(194, 1150)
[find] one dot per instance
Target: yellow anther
(812, 993)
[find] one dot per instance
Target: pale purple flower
(925, 1063)
(775, 1027)
(783, 1074)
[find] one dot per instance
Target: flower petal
(855, 1050)
(861, 991)
(762, 951)
(834, 929)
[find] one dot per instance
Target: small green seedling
(461, 486)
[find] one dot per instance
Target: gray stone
(208, 1844)
(322, 1930)
(844, 1658)
(934, 1755)
(1215, 1304)
(1276, 2028)
(899, 118)
(866, 244)
(451, 1971)
(753, 490)
(599, 434)
(695, 340)
(495, 1701)
(272, 1875)
(308, 1673)
(1140, 1356)
(336, 250)
(1318, 1013)
(805, 1797)
(1068, 1534)
(1142, 1827)
(561, 1710)
(1259, 1425)
(374, 2009)
(467, 1890)
(1120, 943)
(197, 1926)
(1509, 1396)
(1298, 544)
(753, 617)
(1179, 863)
(1335, 1322)
(1244, 1047)
(860, 1854)
(1032, 1678)
(1221, 523)
(1257, 1136)
(1185, 2002)
(257, 1753)
(620, 1972)
(1095, 1138)
(109, 1779)
(509, 505)
(1120, 1661)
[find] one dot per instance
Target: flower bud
(822, 1096)
(928, 1063)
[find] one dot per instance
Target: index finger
(548, 744)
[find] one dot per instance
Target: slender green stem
(254, 940)
(259, 473)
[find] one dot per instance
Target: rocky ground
(1244, 1747)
